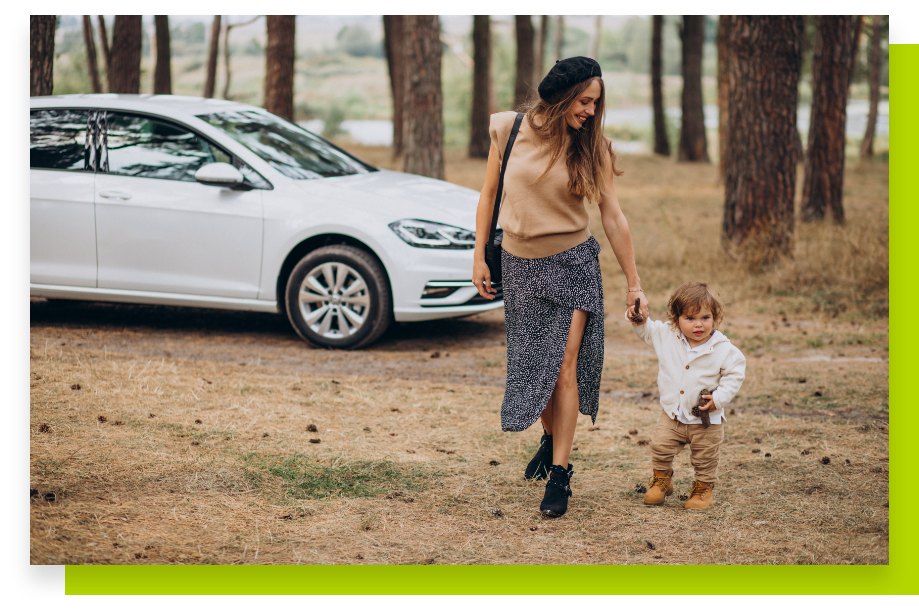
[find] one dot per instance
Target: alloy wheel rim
(334, 300)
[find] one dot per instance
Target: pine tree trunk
(826, 142)
(859, 22)
(721, 43)
(127, 35)
(874, 84)
(595, 43)
(661, 143)
(162, 73)
(393, 34)
(210, 82)
(106, 52)
(279, 65)
(798, 142)
(41, 54)
(693, 145)
(524, 85)
(90, 44)
(479, 139)
(539, 72)
(424, 148)
(559, 36)
(759, 189)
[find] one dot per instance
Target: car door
(62, 225)
(158, 229)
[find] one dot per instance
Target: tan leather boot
(659, 487)
(701, 496)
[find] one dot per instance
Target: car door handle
(119, 195)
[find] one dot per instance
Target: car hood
(402, 195)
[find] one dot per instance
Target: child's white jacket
(720, 367)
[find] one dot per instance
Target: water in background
(379, 133)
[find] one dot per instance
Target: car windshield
(291, 150)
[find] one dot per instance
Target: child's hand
(710, 405)
(636, 318)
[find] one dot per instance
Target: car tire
(339, 297)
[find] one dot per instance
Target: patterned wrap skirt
(540, 296)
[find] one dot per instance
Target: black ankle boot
(558, 490)
(538, 468)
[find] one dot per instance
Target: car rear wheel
(339, 297)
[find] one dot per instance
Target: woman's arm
(481, 276)
(616, 228)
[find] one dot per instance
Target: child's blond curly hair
(689, 298)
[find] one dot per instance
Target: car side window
(150, 148)
(57, 139)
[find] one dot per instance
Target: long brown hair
(588, 150)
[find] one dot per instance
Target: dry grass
(404, 473)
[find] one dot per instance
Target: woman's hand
(481, 277)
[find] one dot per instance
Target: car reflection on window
(293, 151)
(57, 139)
(147, 148)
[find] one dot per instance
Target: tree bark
(279, 61)
(162, 73)
(859, 21)
(693, 144)
(479, 139)
(661, 143)
(826, 142)
(762, 73)
(874, 84)
(524, 84)
(393, 34)
(541, 50)
(721, 43)
(210, 82)
(127, 36)
(595, 43)
(424, 148)
(106, 53)
(90, 45)
(41, 54)
(559, 36)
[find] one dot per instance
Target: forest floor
(169, 435)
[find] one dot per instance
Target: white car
(208, 203)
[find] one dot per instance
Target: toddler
(699, 367)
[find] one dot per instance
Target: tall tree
(826, 141)
(541, 49)
(210, 82)
(127, 36)
(759, 186)
(559, 36)
(106, 52)
(226, 50)
(41, 54)
(874, 85)
(595, 41)
(90, 45)
(858, 21)
(424, 147)
(279, 65)
(721, 43)
(162, 73)
(393, 34)
(693, 144)
(661, 143)
(524, 85)
(479, 138)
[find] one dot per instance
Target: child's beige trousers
(704, 444)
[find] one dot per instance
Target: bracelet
(636, 290)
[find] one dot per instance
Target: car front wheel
(339, 296)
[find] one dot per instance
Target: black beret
(565, 74)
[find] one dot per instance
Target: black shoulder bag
(493, 246)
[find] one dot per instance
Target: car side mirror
(219, 174)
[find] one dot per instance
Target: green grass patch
(305, 477)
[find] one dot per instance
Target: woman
(553, 293)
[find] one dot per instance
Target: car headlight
(427, 234)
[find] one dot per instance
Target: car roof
(173, 105)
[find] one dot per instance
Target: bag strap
(507, 154)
